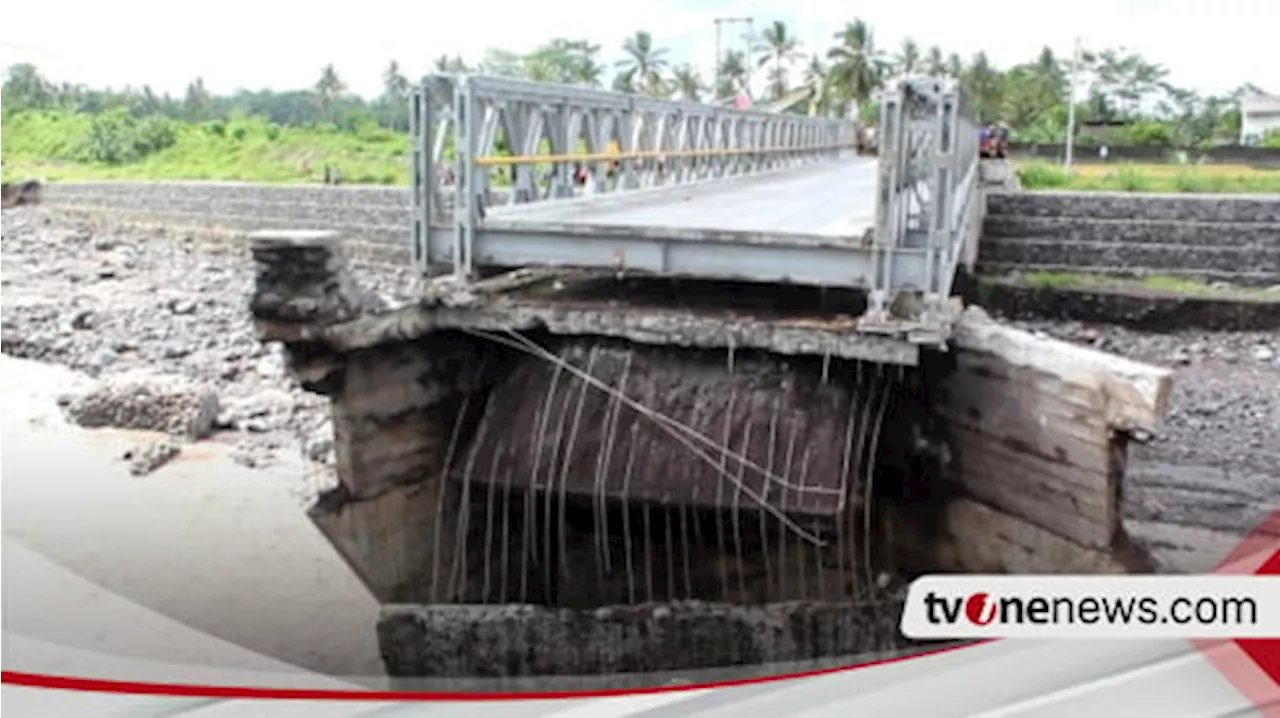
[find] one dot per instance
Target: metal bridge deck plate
(830, 199)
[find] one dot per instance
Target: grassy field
(60, 146)
(65, 146)
(1157, 283)
(1206, 178)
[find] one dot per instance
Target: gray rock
(182, 306)
(318, 444)
(146, 458)
(83, 319)
(101, 359)
(173, 404)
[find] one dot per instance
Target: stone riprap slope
(1217, 238)
(376, 222)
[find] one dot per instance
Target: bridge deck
(832, 199)
(809, 225)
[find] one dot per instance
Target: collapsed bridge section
(637, 420)
(558, 473)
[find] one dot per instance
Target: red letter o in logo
(980, 609)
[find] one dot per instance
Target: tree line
(1121, 89)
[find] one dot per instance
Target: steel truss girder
(928, 208)
(659, 143)
(927, 198)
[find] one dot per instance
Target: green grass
(55, 146)
(1210, 179)
(1156, 283)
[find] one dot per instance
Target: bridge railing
(472, 134)
(928, 206)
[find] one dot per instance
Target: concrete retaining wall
(1214, 237)
(1229, 238)
(373, 214)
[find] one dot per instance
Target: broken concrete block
(170, 403)
(146, 458)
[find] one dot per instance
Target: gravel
(94, 296)
(161, 319)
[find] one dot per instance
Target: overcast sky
(1209, 45)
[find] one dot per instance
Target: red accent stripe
(97, 685)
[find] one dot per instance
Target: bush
(1151, 134)
(1130, 179)
(1042, 175)
(117, 137)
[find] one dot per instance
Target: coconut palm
(688, 83)
(815, 79)
(857, 68)
(778, 46)
(934, 63)
(908, 60)
(328, 89)
(643, 66)
(733, 75)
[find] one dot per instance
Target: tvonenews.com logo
(983, 609)
(961, 606)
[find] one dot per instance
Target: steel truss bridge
(610, 181)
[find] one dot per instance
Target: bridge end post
(426, 183)
(467, 189)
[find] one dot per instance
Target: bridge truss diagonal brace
(541, 135)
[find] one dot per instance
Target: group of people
(993, 140)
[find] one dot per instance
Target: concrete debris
(173, 404)
(496, 641)
(146, 458)
(258, 414)
(318, 445)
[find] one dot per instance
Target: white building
(1258, 115)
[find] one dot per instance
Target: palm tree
(643, 67)
(733, 75)
(587, 71)
(857, 69)
(395, 86)
(955, 66)
(778, 47)
(815, 79)
(982, 84)
(934, 64)
(328, 89)
(908, 57)
(688, 83)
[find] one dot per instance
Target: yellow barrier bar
(648, 154)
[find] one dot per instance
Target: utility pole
(720, 23)
(1071, 105)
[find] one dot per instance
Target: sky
(1209, 46)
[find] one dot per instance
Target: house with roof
(1258, 115)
